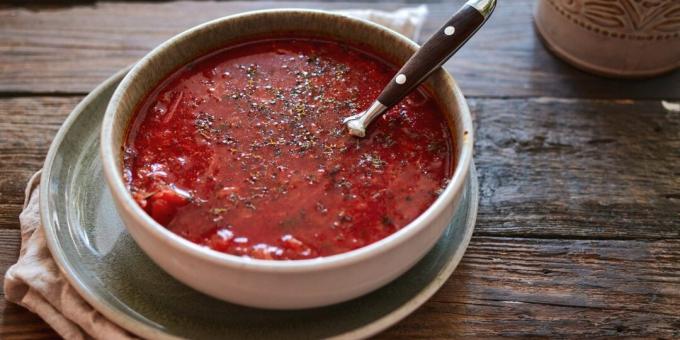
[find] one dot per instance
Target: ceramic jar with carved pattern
(618, 38)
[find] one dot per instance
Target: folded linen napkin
(35, 281)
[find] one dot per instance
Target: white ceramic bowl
(268, 283)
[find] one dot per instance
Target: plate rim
(138, 328)
(444, 275)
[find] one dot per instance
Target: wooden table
(579, 223)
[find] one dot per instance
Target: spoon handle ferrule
(484, 7)
(358, 123)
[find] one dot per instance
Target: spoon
(434, 52)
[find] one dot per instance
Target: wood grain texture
(555, 288)
(27, 126)
(578, 233)
(552, 171)
(515, 286)
(577, 168)
(68, 49)
(567, 168)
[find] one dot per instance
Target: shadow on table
(18, 321)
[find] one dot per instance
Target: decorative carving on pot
(625, 38)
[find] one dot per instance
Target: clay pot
(616, 38)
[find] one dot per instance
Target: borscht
(244, 151)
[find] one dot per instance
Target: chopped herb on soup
(244, 151)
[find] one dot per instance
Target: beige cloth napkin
(36, 283)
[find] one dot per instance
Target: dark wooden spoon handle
(433, 53)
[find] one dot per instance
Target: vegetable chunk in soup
(244, 151)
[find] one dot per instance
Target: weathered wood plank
(515, 286)
(10, 243)
(492, 319)
(578, 233)
(71, 49)
(555, 288)
(548, 167)
(631, 275)
(27, 126)
(577, 168)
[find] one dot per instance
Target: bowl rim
(125, 200)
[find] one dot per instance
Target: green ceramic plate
(100, 259)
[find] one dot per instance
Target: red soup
(244, 151)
